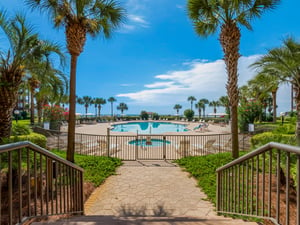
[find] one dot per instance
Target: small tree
(249, 110)
(144, 115)
(189, 114)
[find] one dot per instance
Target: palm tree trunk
(292, 97)
(230, 41)
(39, 111)
(8, 100)
(72, 111)
(297, 98)
(274, 96)
(99, 108)
(31, 107)
(112, 109)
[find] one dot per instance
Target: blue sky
(155, 60)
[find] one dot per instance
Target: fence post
(164, 147)
(108, 141)
(136, 147)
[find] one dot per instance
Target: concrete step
(113, 220)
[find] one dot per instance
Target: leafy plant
(96, 168)
(20, 129)
(189, 114)
(144, 115)
(249, 110)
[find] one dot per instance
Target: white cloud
(202, 79)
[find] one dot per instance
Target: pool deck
(101, 128)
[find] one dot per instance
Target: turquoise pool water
(149, 127)
(153, 142)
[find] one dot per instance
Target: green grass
(96, 168)
(203, 168)
(23, 122)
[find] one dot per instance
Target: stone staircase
(112, 220)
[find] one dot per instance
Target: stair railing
(263, 183)
(37, 183)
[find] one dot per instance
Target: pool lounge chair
(208, 148)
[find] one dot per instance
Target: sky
(156, 60)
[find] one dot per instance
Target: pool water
(153, 142)
(149, 127)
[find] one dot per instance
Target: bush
(144, 115)
(266, 137)
(155, 116)
(20, 129)
(285, 129)
(189, 114)
(96, 168)
(35, 138)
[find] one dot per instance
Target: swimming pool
(149, 127)
(149, 143)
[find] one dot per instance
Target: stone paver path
(157, 189)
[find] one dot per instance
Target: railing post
(218, 192)
(136, 147)
(108, 141)
(298, 190)
(164, 147)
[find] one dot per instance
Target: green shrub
(203, 168)
(144, 115)
(35, 138)
(285, 129)
(189, 114)
(96, 168)
(266, 137)
(20, 129)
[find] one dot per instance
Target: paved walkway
(157, 189)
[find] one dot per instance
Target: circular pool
(149, 127)
(149, 143)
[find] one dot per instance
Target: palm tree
(207, 17)
(270, 82)
(284, 61)
(199, 105)
(191, 99)
(80, 18)
(87, 101)
(224, 101)
(112, 100)
(177, 107)
(33, 84)
(215, 104)
(122, 106)
(25, 52)
(205, 102)
(98, 102)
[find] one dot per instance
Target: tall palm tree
(87, 101)
(224, 101)
(191, 99)
(270, 81)
(208, 16)
(205, 102)
(284, 61)
(24, 53)
(80, 18)
(199, 105)
(122, 107)
(112, 100)
(98, 102)
(33, 84)
(177, 107)
(214, 104)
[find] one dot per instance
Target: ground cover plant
(96, 168)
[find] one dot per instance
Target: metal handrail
(28, 144)
(36, 183)
(259, 184)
